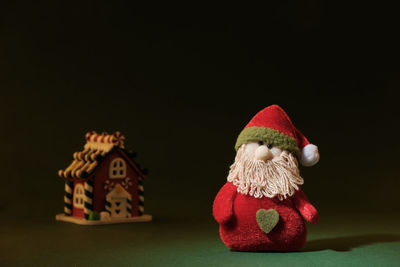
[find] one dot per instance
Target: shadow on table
(346, 243)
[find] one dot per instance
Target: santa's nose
(263, 153)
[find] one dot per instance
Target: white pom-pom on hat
(309, 155)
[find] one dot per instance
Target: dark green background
(180, 82)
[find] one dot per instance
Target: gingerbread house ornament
(103, 184)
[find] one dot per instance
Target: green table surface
(338, 240)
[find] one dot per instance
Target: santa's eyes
(262, 143)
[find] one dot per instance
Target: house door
(118, 207)
(118, 203)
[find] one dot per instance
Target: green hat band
(269, 136)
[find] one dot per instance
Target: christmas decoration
(262, 207)
(103, 184)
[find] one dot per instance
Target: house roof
(94, 151)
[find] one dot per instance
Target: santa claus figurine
(261, 207)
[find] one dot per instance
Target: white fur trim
(309, 155)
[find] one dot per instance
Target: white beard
(277, 177)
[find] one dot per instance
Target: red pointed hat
(273, 126)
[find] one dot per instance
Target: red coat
(239, 230)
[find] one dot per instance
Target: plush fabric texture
(223, 208)
(239, 230)
(309, 155)
(267, 219)
(273, 126)
(268, 136)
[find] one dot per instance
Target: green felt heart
(267, 219)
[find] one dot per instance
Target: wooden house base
(71, 219)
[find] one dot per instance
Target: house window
(118, 168)
(79, 193)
